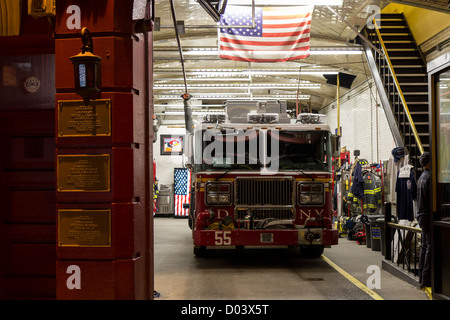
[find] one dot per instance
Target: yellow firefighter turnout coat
(372, 193)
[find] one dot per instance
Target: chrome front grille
(264, 191)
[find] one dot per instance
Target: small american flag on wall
(182, 188)
(280, 33)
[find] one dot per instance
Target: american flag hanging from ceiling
(280, 33)
(182, 188)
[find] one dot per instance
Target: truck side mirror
(335, 145)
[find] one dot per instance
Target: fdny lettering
(74, 21)
(308, 214)
(222, 213)
(209, 311)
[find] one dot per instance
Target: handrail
(404, 251)
(397, 249)
(394, 76)
(400, 226)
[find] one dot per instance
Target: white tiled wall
(361, 130)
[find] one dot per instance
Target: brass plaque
(75, 119)
(84, 173)
(84, 228)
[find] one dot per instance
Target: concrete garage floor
(274, 274)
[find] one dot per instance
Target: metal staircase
(400, 75)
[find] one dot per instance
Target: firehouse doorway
(440, 110)
(27, 175)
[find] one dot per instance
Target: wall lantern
(87, 69)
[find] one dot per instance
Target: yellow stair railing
(399, 90)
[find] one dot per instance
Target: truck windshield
(255, 149)
(302, 150)
(229, 149)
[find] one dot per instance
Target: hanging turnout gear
(372, 193)
(357, 188)
(356, 191)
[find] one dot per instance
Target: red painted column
(104, 222)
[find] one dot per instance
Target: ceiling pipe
(187, 109)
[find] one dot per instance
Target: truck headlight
(218, 193)
(310, 193)
(212, 198)
(305, 198)
(224, 198)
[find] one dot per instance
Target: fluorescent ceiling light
(200, 52)
(291, 72)
(334, 52)
(200, 95)
(181, 113)
(245, 72)
(235, 97)
(181, 106)
(312, 52)
(280, 96)
(240, 86)
(202, 78)
(218, 72)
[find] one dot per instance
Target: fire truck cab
(261, 179)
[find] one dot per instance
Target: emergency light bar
(314, 118)
(262, 117)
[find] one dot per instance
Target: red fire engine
(262, 179)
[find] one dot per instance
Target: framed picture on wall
(171, 144)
